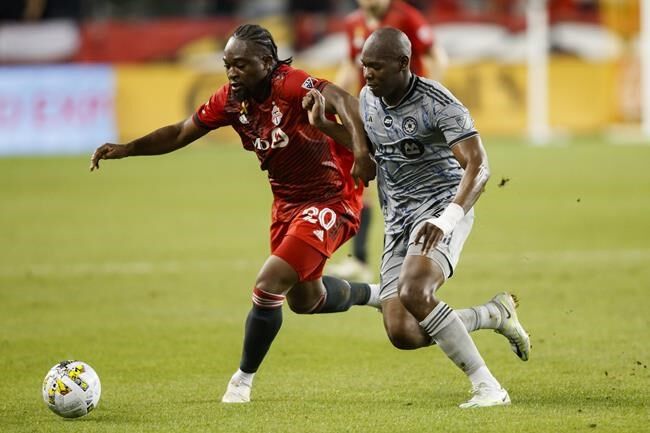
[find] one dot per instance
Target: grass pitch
(144, 270)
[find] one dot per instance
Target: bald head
(388, 42)
(386, 57)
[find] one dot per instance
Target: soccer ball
(71, 389)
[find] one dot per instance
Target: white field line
(179, 267)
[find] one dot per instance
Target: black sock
(360, 241)
(262, 325)
(341, 295)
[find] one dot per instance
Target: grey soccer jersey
(417, 173)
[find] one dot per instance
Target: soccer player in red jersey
(287, 118)
(428, 59)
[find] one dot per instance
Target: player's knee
(306, 298)
(414, 293)
(273, 283)
(301, 306)
(403, 339)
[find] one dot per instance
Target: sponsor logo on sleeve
(309, 83)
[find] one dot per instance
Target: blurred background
(77, 73)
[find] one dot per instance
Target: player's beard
(264, 87)
(241, 94)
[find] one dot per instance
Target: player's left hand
(314, 103)
(364, 169)
(430, 235)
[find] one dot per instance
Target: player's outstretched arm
(471, 155)
(340, 102)
(163, 140)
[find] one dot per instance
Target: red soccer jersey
(304, 165)
(401, 16)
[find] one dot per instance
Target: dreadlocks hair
(260, 36)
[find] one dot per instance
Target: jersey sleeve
(212, 114)
(452, 118)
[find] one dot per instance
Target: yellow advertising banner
(582, 96)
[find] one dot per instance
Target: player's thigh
(421, 274)
(446, 253)
(276, 276)
(307, 262)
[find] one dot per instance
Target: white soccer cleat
(486, 395)
(510, 326)
(351, 269)
(237, 392)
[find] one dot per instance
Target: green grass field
(144, 270)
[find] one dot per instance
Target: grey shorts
(397, 246)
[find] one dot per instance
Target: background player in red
(428, 60)
(280, 114)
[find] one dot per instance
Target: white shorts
(397, 246)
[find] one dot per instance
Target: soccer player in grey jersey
(431, 169)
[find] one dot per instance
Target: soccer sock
(340, 295)
(448, 331)
(262, 325)
(486, 316)
(360, 241)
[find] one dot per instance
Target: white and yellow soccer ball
(71, 389)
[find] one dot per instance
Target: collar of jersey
(407, 95)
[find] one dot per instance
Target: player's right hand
(430, 235)
(107, 151)
(314, 103)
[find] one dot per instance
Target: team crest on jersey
(388, 121)
(276, 115)
(308, 83)
(410, 125)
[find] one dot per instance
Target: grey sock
(449, 332)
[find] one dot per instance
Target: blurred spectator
(39, 31)
(429, 59)
(21, 10)
(35, 10)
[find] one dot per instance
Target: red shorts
(312, 236)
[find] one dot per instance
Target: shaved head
(386, 58)
(388, 41)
